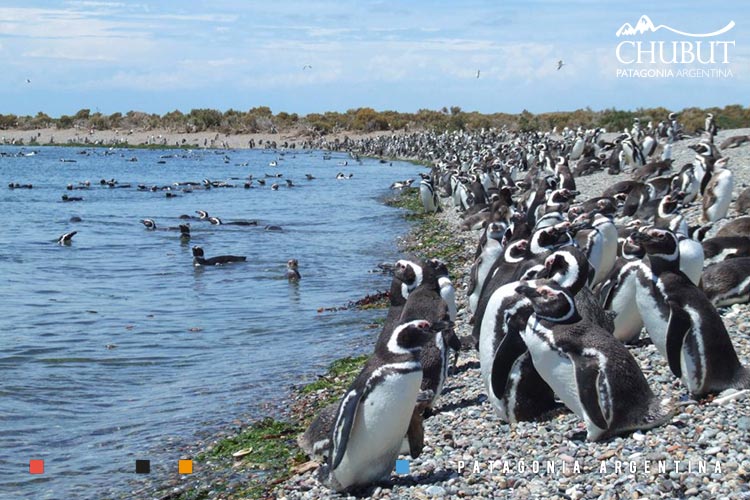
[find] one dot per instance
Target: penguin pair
(588, 369)
(681, 321)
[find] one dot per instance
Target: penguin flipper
(474, 276)
(344, 424)
(678, 326)
(588, 379)
(510, 349)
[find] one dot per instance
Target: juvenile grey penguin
(722, 248)
(682, 322)
(589, 370)
(727, 282)
(374, 414)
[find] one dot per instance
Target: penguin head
(568, 267)
(184, 229)
(149, 223)
(441, 270)
(292, 264)
(410, 337)
(550, 301)
(516, 251)
(202, 214)
(410, 273)
(214, 220)
(658, 243)
(197, 251)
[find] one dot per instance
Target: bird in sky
(306, 66)
(560, 64)
(28, 80)
(478, 73)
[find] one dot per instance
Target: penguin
(200, 260)
(215, 221)
(599, 243)
(292, 273)
(374, 413)
(67, 238)
(719, 249)
(316, 440)
(617, 294)
(202, 214)
(184, 232)
(447, 291)
(727, 282)
(718, 193)
(149, 223)
(735, 227)
(681, 321)
(590, 371)
(425, 302)
(428, 195)
(67, 198)
(480, 269)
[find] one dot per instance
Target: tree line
(262, 119)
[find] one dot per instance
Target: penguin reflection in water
(374, 414)
(588, 369)
(200, 260)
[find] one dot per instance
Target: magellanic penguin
(292, 270)
(374, 414)
(722, 248)
(599, 243)
(429, 196)
(200, 260)
(718, 193)
(425, 302)
(727, 282)
(447, 291)
(589, 370)
(682, 322)
(491, 251)
(67, 238)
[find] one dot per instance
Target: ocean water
(194, 348)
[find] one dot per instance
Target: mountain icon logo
(645, 24)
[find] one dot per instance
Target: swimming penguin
(200, 260)
(202, 214)
(184, 232)
(727, 282)
(67, 238)
(65, 197)
(718, 193)
(215, 221)
(681, 321)
(292, 273)
(590, 371)
(149, 223)
(374, 413)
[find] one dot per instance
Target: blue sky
(157, 56)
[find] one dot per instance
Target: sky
(310, 56)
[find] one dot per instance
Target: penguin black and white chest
(599, 243)
(718, 193)
(681, 321)
(590, 371)
(374, 413)
(491, 252)
(447, 291)
(429, 196)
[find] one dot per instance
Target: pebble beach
(470, 453)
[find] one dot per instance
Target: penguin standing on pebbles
(589, 370)
(374, 414)
(718, 193)
(682, 322)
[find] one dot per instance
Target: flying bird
(560, 64)
(306, 66)
(28, 80)
(478, 73)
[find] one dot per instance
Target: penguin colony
(559, 289)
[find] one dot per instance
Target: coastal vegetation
(262, 119)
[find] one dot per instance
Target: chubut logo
(685, 55)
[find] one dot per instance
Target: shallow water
(195, 347)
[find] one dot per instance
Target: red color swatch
(36, 466)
